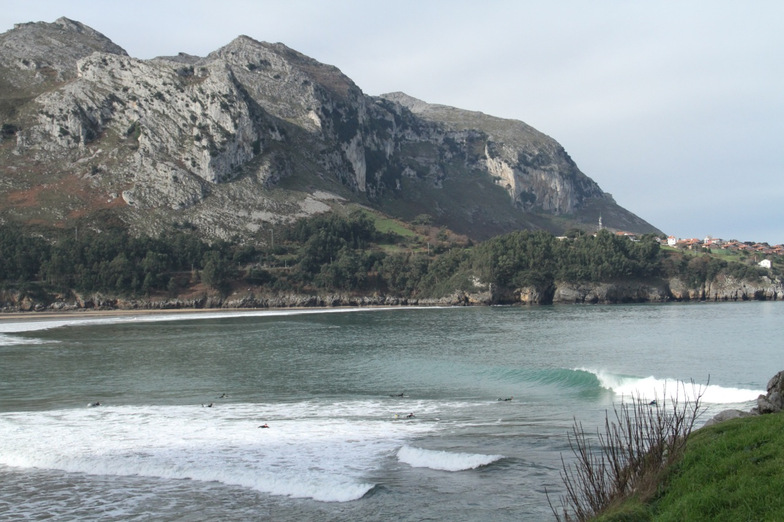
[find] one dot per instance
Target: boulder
(727, 415)
(773, 401)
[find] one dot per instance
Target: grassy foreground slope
(732, 471)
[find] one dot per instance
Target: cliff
(259, 297)
(654, 291)
(255, 135)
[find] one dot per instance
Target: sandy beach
(70, 314)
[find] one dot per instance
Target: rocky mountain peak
(280, 62)
(49, 51)
(72, 25)
(256, 134)
(415, 105)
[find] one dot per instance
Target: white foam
(33, 324)
(651, 388)
(321, 452)
(11, 340)
(443, 460)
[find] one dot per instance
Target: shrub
(634, 450)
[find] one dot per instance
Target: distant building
(628, 235)
(691, 244)
(765, 263)
(672, 241)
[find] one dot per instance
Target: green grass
(720, 253)
(729, 255)
(733, 471)
(386, 224)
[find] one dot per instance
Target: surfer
(93, 404)
(396, 395)
(652, 403)
(507, 399)
(223, 396)
(410, 416)
(264, 425)
(206, 405)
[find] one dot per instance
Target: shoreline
(88, 313)
(91, 314)
(18, 302)
(55, 314)
(18, 305)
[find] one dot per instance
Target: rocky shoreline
(672, 290)
(771, 402)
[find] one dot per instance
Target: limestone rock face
(773, 401)
(606, 293)
(45, 52)
(728, 288)
(247, 136)
(532, 167)
(532, 295)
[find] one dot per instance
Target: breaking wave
(443, 460)
(653, 388)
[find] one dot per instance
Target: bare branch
(641, 440)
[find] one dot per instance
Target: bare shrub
(628, 458)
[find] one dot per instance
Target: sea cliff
(657, 291)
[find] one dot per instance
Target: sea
(346, 414)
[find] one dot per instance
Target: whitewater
(360, 414)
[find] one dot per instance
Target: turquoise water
(336, 389)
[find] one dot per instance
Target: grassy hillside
(731, 471)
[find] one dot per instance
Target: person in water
(264, 425)
(410, 416)
(93, 404)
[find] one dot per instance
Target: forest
(339, 253)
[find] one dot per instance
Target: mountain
(255, 135)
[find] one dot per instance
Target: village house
(734, 245)
(628, 235)
(691, 244)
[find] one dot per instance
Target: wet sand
(70, 314)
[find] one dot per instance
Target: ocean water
(373, 414)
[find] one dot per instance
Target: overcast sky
(676, 108)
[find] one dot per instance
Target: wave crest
(443, 460)
(649, 388)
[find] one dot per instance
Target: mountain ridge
(255, 135)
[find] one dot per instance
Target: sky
(676, 108)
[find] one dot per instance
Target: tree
(215, 271)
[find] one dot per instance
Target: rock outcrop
(12, 302)
(727, 288)
(611, 293)
(45, 53)
(720, 289)
(246, 137)
(727, 415)
(771, 402)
